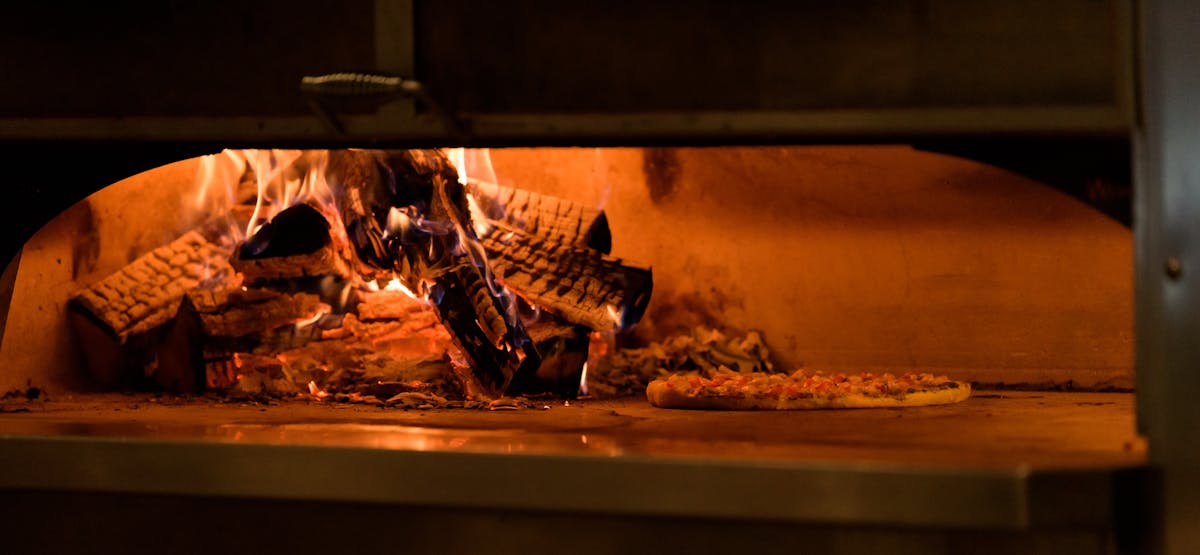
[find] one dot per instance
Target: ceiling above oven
(550, 72)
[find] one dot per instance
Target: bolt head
(1173, 267)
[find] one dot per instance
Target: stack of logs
(288, 311)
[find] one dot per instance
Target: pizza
(729, 390)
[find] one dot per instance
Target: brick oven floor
(992, 430)
(1003, 461)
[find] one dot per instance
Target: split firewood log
(214, 327)
(554, 253)
(555, 219)
(405, 212)
(252, 313)
(121, 319)
(145, 293)
(581, 285)
(563, 350)
(295, 244)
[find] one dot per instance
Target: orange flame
(397, 222)
(616, 315)
(463, 160)
(479, 220)
(218, 176)
(317, 393)
(396, 285)
(286, 178)
(309, 321)
(458, 158)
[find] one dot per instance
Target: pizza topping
(815, 389)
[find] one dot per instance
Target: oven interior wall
(853, 257)
(846, 258)
(90, 240)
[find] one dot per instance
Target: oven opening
(524, 298)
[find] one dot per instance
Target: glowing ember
(458, 158)
(396, 285)
(616, 315)
(478, 219)
(316, 392)
(309, 321)
(397, 222)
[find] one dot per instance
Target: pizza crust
(662, 395)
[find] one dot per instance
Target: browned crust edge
(665, 397)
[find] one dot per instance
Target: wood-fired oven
(998, 191)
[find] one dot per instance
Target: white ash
(701, 349)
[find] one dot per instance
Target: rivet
(1173, 267)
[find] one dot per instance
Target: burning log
(563, 350)
(358, 362)
(295, 244)
(405, 211)
(214, 326)
(391, 305)
(407, 215)
(553, 252)
(558, 220)
(121, 320)
(250, 315)
(581, 285)
(467, 309)
(146, 293)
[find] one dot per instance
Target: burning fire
(281, 179)
(286, 178)
(317, 393)
(458, 157)
(617, 316)
(396, 285)
(302, 324)
(478, 219)
(404, 222)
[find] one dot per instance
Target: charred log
(121, 320)
(180, 361)
(295, 244)
(563, 350)
(466, 307)
(146, 293)
(324, 262)
(405, 212)
(298, 229)
(558, 220)
(213, 327)
(579, 284)
(237, 313)
(553, 252)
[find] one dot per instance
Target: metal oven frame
(1160, 503)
